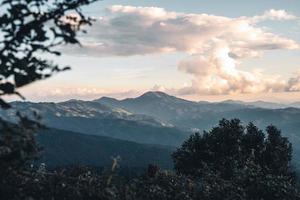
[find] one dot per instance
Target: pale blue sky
(135, 74)
(230, 8)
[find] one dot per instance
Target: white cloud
(213, 42)
(64, 93)
(216, 73)
(274, 15)
(294, 83)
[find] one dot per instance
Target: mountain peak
(106, 100)
(231, 101)
(161, 97)
(155, 94)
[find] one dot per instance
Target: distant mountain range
(189, 115)
(94, 118)
(169, 109)
(265, 104)
(154, 118)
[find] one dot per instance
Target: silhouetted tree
(278, 152)
(29, 29)
(219, 150)
(236, 162)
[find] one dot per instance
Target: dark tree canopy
(228, 147)
(241, 162)
(28, 30)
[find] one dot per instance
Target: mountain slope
(295, 104)
(97, 119)
(169, 109)
(62, 148)
(202, 115)
(205, 115)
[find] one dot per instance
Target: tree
(217, 150)
(278, 152)
(239, 162)
(29, 28)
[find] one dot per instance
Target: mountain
(157, 118)
(295, 104)
(96, 119)
(268, 105)
(265, 104)
(156, 104)
(230, 101)
(199, 116)
(169, 109)
(63, 148)
(259, 104)
(203, 115)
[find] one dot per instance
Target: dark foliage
(248, 176)
(29, 28)
(17, 144)
(236, 162)
(84, 183)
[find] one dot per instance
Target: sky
(209, 50)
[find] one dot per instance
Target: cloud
(294, 83)
(216, 73)
(214, 43)
(64, 93)
(131, 30)
(274, 15)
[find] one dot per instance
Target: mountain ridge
(93, 118)
(158, 118)
(258, 103)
